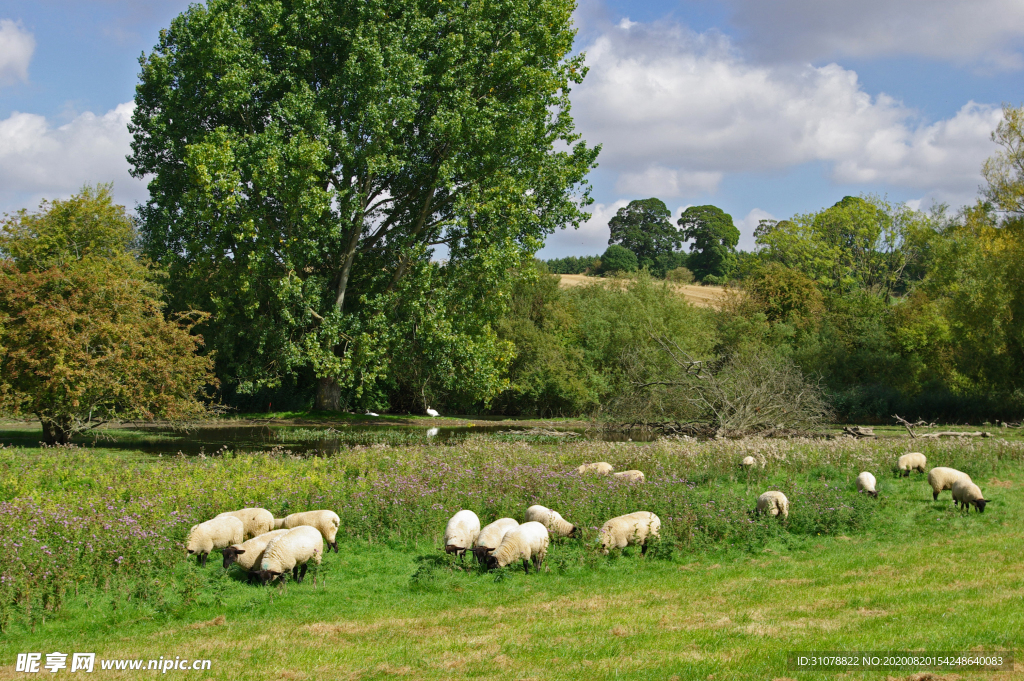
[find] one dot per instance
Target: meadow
(92, 541)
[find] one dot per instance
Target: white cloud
(676, 111)
(987, 33)
(16, 48)
(590, 239)
(747, 226)
(38, 160)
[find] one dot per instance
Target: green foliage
(305, 162)
(618, 259)
(714, 241)
(784, 294)
(584, 264)
(1004, 172)
(643, 227)
(85, 338)
(679, 275)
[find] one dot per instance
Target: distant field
(701, 296)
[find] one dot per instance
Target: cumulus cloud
(16, 48)
(38, 160)
(987, 33)
(677, 110)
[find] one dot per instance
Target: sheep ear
(239, 552)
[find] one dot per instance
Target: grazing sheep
(529, 542)
(490, 537)
(256, 521)
(629, 530)
(773, 503)
(279, 524)
(249, 555)
(552, 520)
(942, 478)
(914, 461)
(748, 462)
(601, 468)
(219, 533)
(460, 533)
(965, 493)
(630, 476)
(289, 551)
(325, 521)
(866, 484)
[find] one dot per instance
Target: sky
(765, 108)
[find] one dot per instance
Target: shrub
(680, 275)
(618, 259)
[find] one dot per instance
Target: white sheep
(629, 530)
(327, 522)
(748, 462)
(553, 520)
(630, 476)
(490, 537)
(256, 521)
(289, 551)
(529, 542)
(601, 468)
(249, 554)
(461, 532)
(773, 503)
(219, 533)
(914, 461)
(866, 483)
(966, 493)
(942, 478)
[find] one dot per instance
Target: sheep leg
(526, 565)
(935, 496)
(643, 549)
(333, 545)
(302, 573)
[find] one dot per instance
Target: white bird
(370, 413)
(432, 412)
(432, 432)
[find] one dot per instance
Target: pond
(309, 440)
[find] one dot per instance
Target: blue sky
(765, 108)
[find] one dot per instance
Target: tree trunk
(328, 395)
(55, 433)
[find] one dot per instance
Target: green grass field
(903, 573)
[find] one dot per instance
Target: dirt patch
(871, 613)
(996, 482)
(217, 621)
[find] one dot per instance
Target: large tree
(82, 327)
(643, 226)
(714, 239)
(307, 157)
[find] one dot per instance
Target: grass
(902, 573)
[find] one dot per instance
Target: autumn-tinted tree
(306, 157)
(644, 228)
(714, 240)
(82, 325)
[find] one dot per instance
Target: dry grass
(701, 296)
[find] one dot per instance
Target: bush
(618, 259)
(680, 275)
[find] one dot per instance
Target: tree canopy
(643, 226)
(82, 326)
(714, 240)
(306, 158)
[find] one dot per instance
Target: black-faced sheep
(629, 530)
(553, 520)
(461, 532)
(290, 551)
(490, 537)
(773, 503)
(866, 483)
(942, 478)
(528, 542)
(966, 493)
(219, 533)
(914, 461)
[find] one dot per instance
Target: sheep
(630, 476)
(461, 532)
(490, 537)
(941, 478)
(866, 484)
(295, 548)
(965, 493)
(773, 503)
(748, 462)
(601, 468)
(325, 521)
(250, 554)
(914, 461)
(629, 530)
(219, 533)
(529, 542)
(256, 521)
(552, 520)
